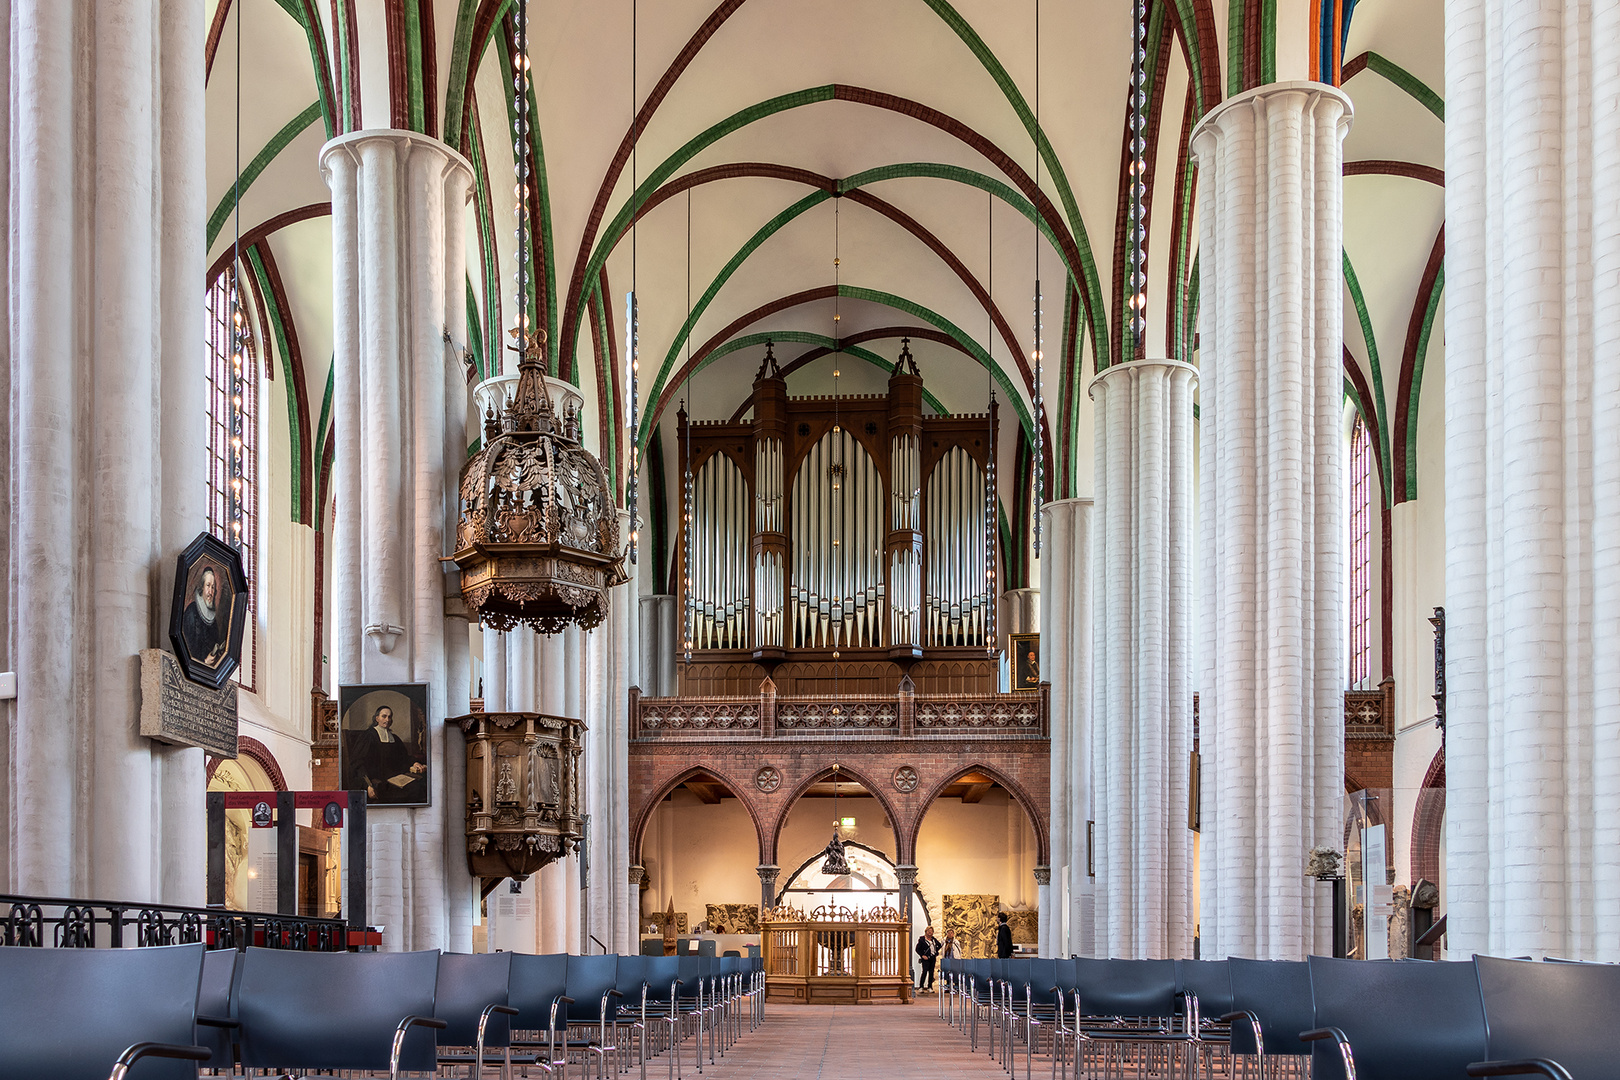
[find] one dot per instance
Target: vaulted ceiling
(900, 134)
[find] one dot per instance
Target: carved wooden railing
(836, 957)
(904, 714)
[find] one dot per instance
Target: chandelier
(538, 537)
(836, 863)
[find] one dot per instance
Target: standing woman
(1004, 947)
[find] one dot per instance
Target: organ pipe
(958, 591)
(838, 522)
(905, 515)
(720, 560)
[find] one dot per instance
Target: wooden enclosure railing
(844, 959)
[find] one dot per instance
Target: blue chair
(216, 1007)
(1271, 1007)
(303, 1011)
(1407, 1020)
(631, 982)
(660, 1003)
(592, 986)
(78, 1014)
(1551, 1019)
(539, 992)
(471, 998)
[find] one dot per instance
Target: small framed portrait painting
(383, 744)
(1026, 661)
(209, 613)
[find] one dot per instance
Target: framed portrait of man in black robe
(383, 744)
(209, 613)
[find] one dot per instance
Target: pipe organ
(836, 545)
(957, 598)
(720, 556)
(838, 526)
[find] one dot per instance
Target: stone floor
(843, 1042)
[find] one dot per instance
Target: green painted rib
(678, 342)
(294, 406)
(770, 228)
(326, 406)
(461, 62)
(475, 332)
(933, 170)
(966, 340)
(1195, 51)
(605, 398)
(313, 35)
(805, 337)
(416, 106)
(1416, 87)
(340, 22)
(489, 362)
(1365, 320)
(1234, 47)
(1054, 167)
(737, 120)
(1429, 312)
(261, 161)
(1268, 42)
(1190, 328)
(1065, 463)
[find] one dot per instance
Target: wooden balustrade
(836, 957)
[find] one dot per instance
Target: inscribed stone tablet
(176, 710)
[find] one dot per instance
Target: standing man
(927, 953)
(1003, 936)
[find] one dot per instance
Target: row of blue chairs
(1322, 1018)
(162, 1013)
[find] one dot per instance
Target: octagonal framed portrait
(209, 613)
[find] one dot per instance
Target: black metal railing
(46, 921)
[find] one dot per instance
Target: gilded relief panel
(972, 918)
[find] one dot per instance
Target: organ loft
(839, 544)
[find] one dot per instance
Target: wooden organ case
(837, 545)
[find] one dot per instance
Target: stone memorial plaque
(176, 710)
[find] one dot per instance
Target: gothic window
(1361, 509)
(220, 358)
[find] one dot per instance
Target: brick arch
(638, 832)
(1429, 820)
(902, 853)
(1020, 796)
(260, 753)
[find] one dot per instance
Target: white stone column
(105, 439)
(1066, 627)
(1142, 702)
(398, 261)
(609, 676)
(1533, 478)
(1271, 510)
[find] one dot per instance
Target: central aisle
(845, 1042)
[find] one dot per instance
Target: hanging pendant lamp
(835, 864)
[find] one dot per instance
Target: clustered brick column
(1142, 704)
(1271, 514)
(399, 430)
(1066, 626)
(1533, 478)
(102, 445)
